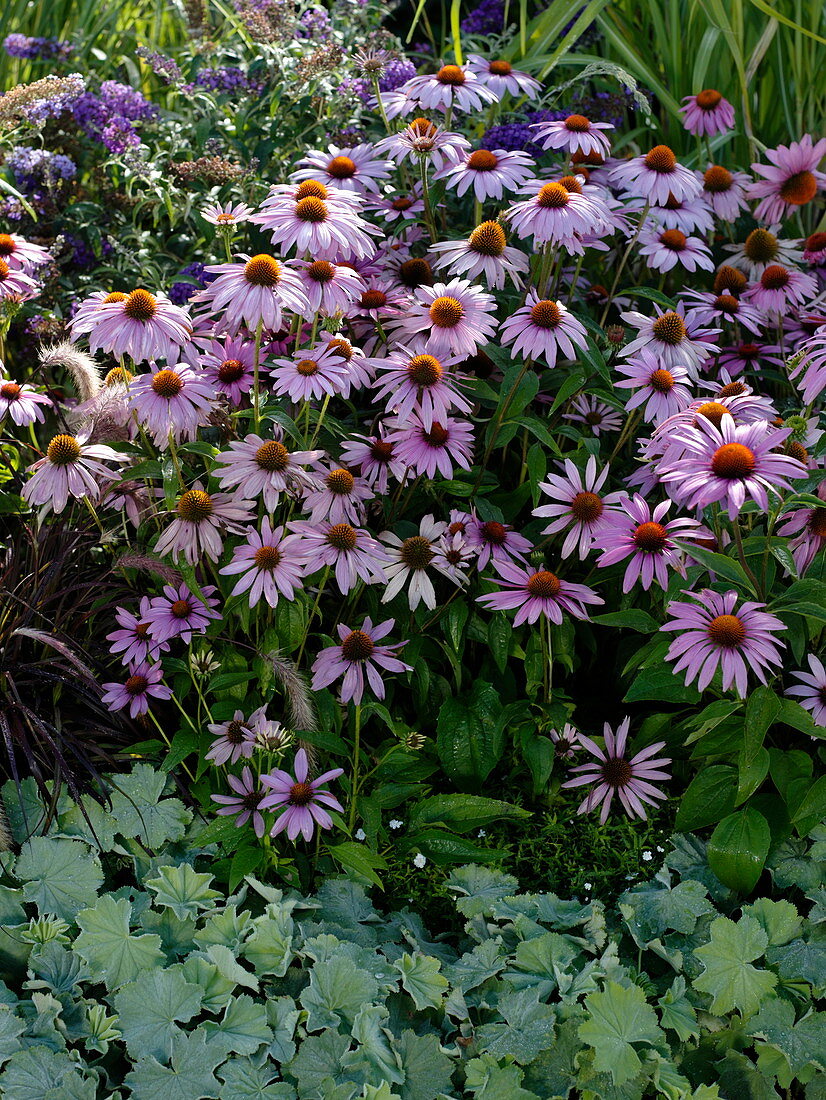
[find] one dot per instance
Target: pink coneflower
(663, 391)
(730, 463)
(301, 801)
(339, 498)
(484, 252)
(664, 249)
(309, 376)
(781, 288)
(141, 325)
(453, 87)
(133, 640)
(714, 633)
(226, 214)
(707, 113)
(535, 592)
(409, 381)
(264, 467)
(806, 530)
(270, 564)
(233, 740)
(814, 254)
(435, 449)
(319, 224)
(143, 683)
(611, 773)
(714, 309)
(245, 802)
(375, 458)
(21, 402)
(809, 373)
(381, 300)
(171, 401)
(676, 337)
(495, 542)
(567, 742)
(178, 613)
(398, 208)
(749, 356)
(594, 414)
(453, 317)
(578, 504)
(330, 288)
(351, 552)
(490, 172)
(553, 213)
(790, 181)
(543, 328)
(228, 365)
(502, 78)
(358, 654)
(22, 255)
(409, 560)
(688, 216)
(360, 366)
(800, 325)
(423, 138)
(634, 531)
(762, 248)
(575, 134)
(453, 554)
(255, 292)
(70, 467)
(15, 283)
(811, 691)
(725, 191)
(655, 176)
(351, 169)
(200, 516)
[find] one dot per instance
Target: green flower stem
(624, 261)
(428, 209)
(256, 381)
(354, 782)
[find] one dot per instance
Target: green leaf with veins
(150, 1009)
(183, 890)
(526, 1027)
(142, 813)
(110, 948)
(60, 876)
(620, 1017)
(422, 980)
(728, 976)
(190, 1074)
(801, 1043)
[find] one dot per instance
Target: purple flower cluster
(315, 24)
(180, 292)
(165, 67)
(108, 116)
(36, 169)
(28, 48)
(231, 79)
(83, 255)
(487, 18)
(398, 71)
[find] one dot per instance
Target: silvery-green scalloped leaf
(106, 943)
(226, 926)
(56, 968)
(319, 1057)
(177, 936)
(525, 1029)
(11, 1028)
(619, 1017)
(801, 1043)
(478, 887)
(30, 1074)
(373, 1060)
(216, 989)
(151, 1007)
(427, 1069)
(728, 976)
(269, 946)
(421, 977)
(191, 1072)
(487, 1080)
(342, 901)
(336, 992)
(142, 813)
(541, 962)
(244, 1081)
(484, 961)
(183, 890)
(60, 876)
(649, 913)
(282, 1016)
(242, 1029)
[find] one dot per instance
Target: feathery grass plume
(300, 708)
(82, 367)
(148, 564)
(6, 839)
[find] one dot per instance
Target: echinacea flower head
(713, 632)
(309, 375)
(375, 458)
(70, 468)
(452, 318)
(595, 415)
(725, 191)
(257, 291)
(762, 248)
(634, 531)
(424, 139)
(410, 559)
(534, 592)
(661, 390)
(811, 691)
(809, 372)
(553, 213)
(655, 176)
(675, 336)
(233, 740)
(21, 402)
(229, 366)
(612, 773)
(410, 381)
(302, 800)
(578, 505)
(15, 283)
(447, 443)
(350, 169)
(339, 497)
(142, 684)
(226, 215)
(133, 641)
(806, 530)
(780, 289)
(171, 401)
(330, 288)
(245, 802)
(790, 181)
(493, 541)
(485, 252)
(490, 173)
(199, 519)
(575, 134)
(545, 329)
(179, 613)
(319, 222)
(265, 468)
(270, 564)
(453, 87)
(359, 654)
(22, 255)
(565, 742)
(140, 324)
(707, 113)
(664, 249)
(351, 552)
(501, 77)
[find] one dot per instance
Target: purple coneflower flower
(484, 252)
(375, 458)
(226, 214)
(495, 542)
(330, 288)
(749, 357)
(790, 181)
(229, 366)
(399, 207)
(811, 691)
(809, 373)
(69, 468)
(567, 742)
(707, 113)
(762, 248)
(554, 213)
(420, 382)
(664, 249)
(358, 654)
(200, 516)
(339, 498)
(233, 739)
(725, 191)
(714, 633)
(352, 169)
(502, 78)
(140, 325)
(663, 391)
(575, 134)
(543, 328)
(134, 641)
(535, 592)
(308, 377)
(594, 414)
(423, 138)
(21, 402)
(718, 308)
(453, 87)
(806, 530)
(14, 283)
(178, 613)
(655, 176)
(264, 467)
(687, 216)
(781, 288)
(319, 223)
(22, 255)
(453, 317)
(143, 682)
(302, 801)
(409, 559)
(435, 449)
(171, 401)
(270, 564)
(246, 801)
(490, 172)
(634, 531)
(578, 504)
(254, 292)
(352, 552)
(612, 774)
(676, 337)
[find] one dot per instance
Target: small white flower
(395, 823)
(587, 886)
(481, 833)
(360, 834)
(659, 849)
(648, 856)
(419, 860)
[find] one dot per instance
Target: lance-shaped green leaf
(105, 942)
(728, 976)
(421, 978)
(619, 1017)
(183, 890)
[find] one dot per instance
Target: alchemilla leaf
(107, 945)
(620, 1017)
(728, 976)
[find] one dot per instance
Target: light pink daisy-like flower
(234, 740)
(302, 801)
(255, 292)
(264, 468)
(811, 691)
(676, 337)
(330, 288)
(707, 113)
(178, 613)
(15, 283)
(375, 458)
(790, 181)
(567, 742)
(70, 468)
(612, 774)
(594, 414)
(634, 531)
(809, 373)
(666, 248)
(410, 559)
(762, 248)
(351, 169)
(806, 530)
(21, 402)
(226, 214)
(358, 654)
(502, 78)
(133, 640)
(730, 464)
(661, 390)
(423, 138)
(143, 683)
(200, 516)
(340, 497)
(781, 288)
(270, 564)
(688, 216)
(398, 208)
(318, 223)
(141, 325)
(172, 401)
(714, 309)
(435, 449)
(229, 366)
(655, 176)
(453, 87)
(453, 317)
(535, 592)
(543, 329)
(725, 191)
(575, 134)
(381, 300)
(493, 541)
(485, 252)
(245, 802)
(554, 213)
(22, 255)
(749, 357)
(578, 505)
(490, 172)
(360, 367)
(713, 633)
(409, 381)
(351, 552)
(309, 376)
